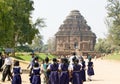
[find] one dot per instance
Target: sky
(55, 12)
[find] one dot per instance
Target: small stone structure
(74, 35)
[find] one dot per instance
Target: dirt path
(106, 72)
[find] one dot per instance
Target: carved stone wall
(74, 34)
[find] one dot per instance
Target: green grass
(114, 56)
(27, 57)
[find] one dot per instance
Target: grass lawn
(27, 57)
(114, 56)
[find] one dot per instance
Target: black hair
(36, 65)
(76, 61)
(54, 60)
(73, 59)
(46, 59)
(65, 61)
(36, 58)
(16, 63)
(74, 53)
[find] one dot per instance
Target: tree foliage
(113, 19)
(16, 26)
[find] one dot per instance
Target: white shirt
(8, 61)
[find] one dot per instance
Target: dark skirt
(83, 75)
(77, 79)
(53, 78)
(16, 79)
(36, 79)
(64, 77)
(90, 71)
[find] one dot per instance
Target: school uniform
(53, 78)
(16, 75)
(76, 74)
(90, 70)
(64, 74)
(36, 75)
(31, 72)
(83, 74)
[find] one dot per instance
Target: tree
(16, 25)
(113, 20)
(103, 46)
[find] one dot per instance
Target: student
(16, 73)
(31, 62)
(83, 69)
(46, 73)
(76, 72)
(64, 73)
(7, 67)
(90, 70)
(36, 59)
(53, 78)
(36, 74)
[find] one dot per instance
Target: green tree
(113, 20)
(16, 26)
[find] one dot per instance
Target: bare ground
(106, 72)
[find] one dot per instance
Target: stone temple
(74, 35)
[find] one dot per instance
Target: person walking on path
(53, 68)
(64, 73)
(90, 70)
(83, 69)
(76, 72)
(31, 63)
(16, 73)
(36, 74)
(45, 71)
(7, 67)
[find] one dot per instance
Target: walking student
(45, 71)
(76, 72)
(7, 67)
(83, 74)
(53, 68)
(16, 73)
(64, 73)
(36, 74)
(90, 70)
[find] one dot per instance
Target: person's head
(73, 59)
(32, 54)
(81, 58)
(54, 60)
(46, 60)
(36, 59)
(36, 64)
(76, 61)
(90, 59)
(16, 63)
(65, 60)
(74, 53)
(6, 54)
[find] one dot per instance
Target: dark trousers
(7, 71)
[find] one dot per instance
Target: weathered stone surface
(74, 34)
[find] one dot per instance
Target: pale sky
(56, 11)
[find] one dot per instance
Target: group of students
(67, 70)
(63, 71)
